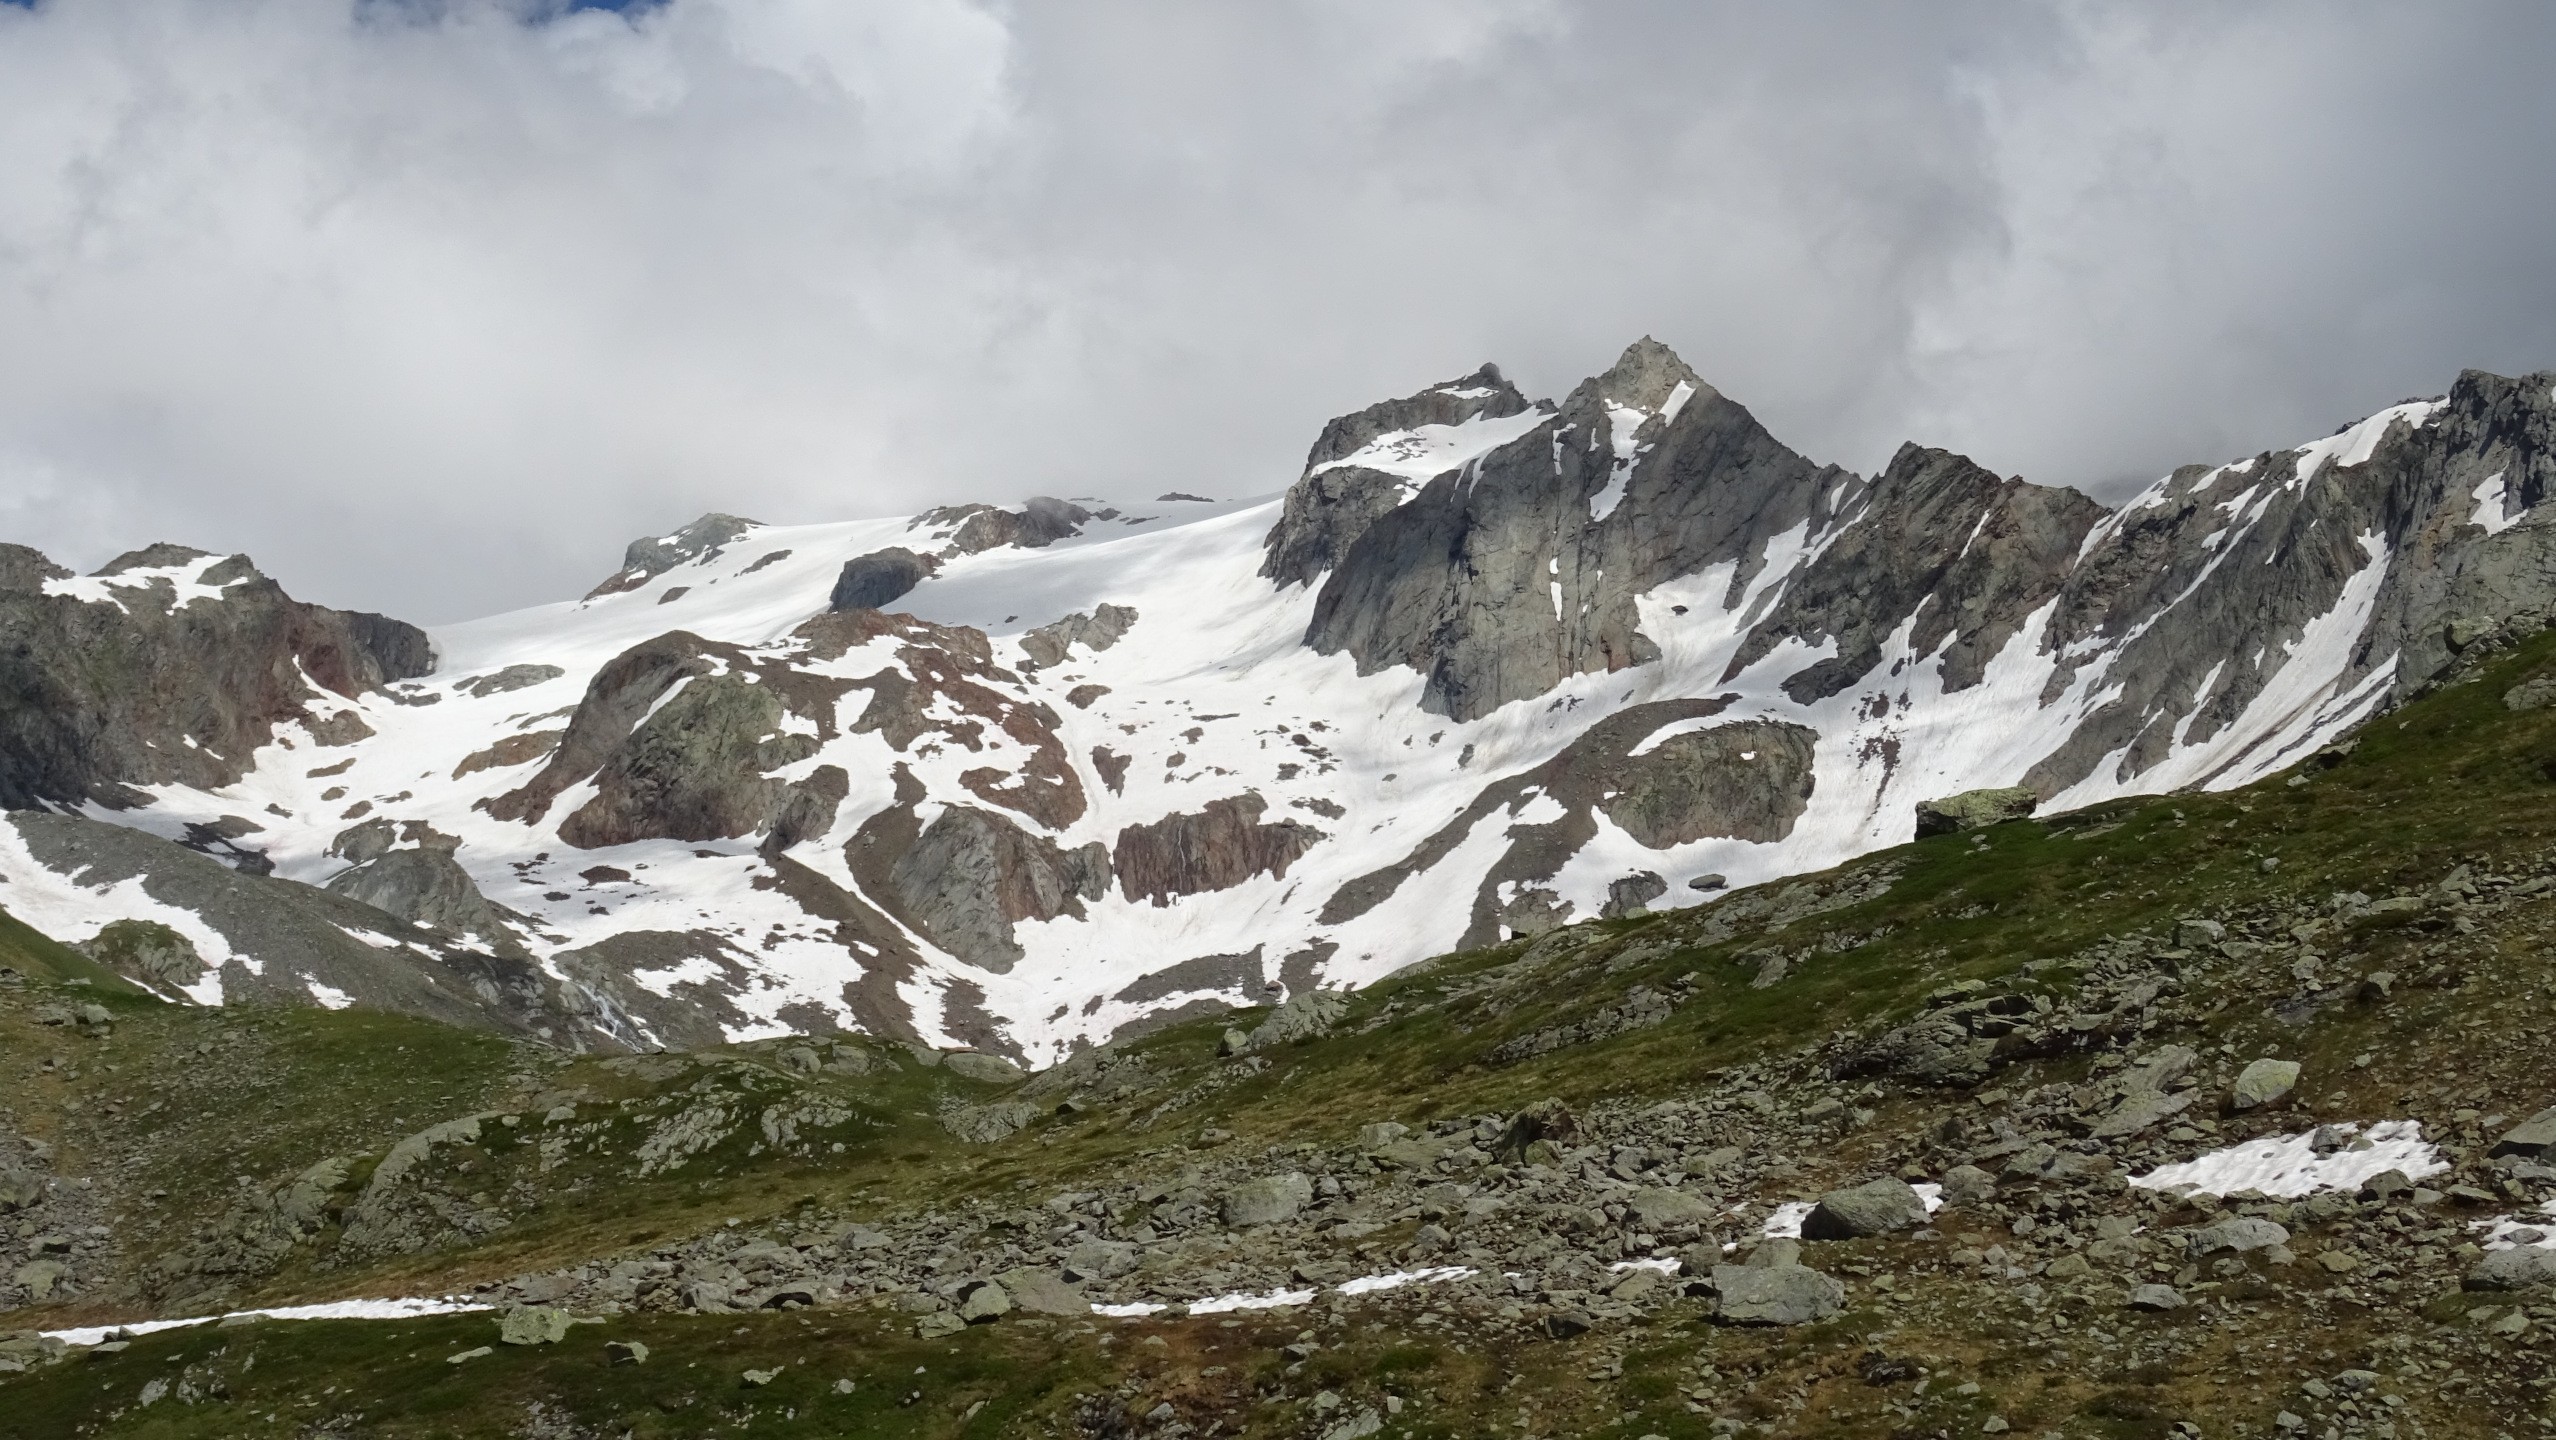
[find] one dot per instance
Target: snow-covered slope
(1487, 666)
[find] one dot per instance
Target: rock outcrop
(653, 555)
(170, 666)
(972, 874)
(880, 578)
(1215, 848)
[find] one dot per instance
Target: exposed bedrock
(429, 887)
(1334, 503)
(653, 555)
(1498, 583)
(1217, 848)
(880, 578)
(2209, 589)
(972, 874)
(695, 770)
(1042, 520)
(1691, 785)
(298, 935)
(1745, 781)
(1967, 555)
(1050, 644)
(145, 690)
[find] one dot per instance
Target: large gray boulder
(2532, 1136)
(1042, 1292)
(1774, 1295)
(1974, 809)
(1305, 1016)
(1659, 1208)
(1876, 1207)
(2263, 1083)
(2521, 1267)
(1266, 1200)
(2240, 1233)
(428, 887)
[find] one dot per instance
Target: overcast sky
(432, 307)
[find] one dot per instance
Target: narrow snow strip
(1664, 1266)
(2493, 498)
(403, 1309)
(1369, 1284)
(2288, 1165)
(1278, 1299)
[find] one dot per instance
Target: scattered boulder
(984, 1302)
(1875, 1207)
(2198, 934)
(1546, 1123)
(1658, 1208)
(977, 1065)
(1042, 1292)
(1306, 1016)
(2535, 693)
(2263, 1083)
(1709, 883)
(2240, 1233)
(625, 1352)
(2521, 1267)
(533, 1325)
(1974, 809)
(1774, 1295)
(1099, 1259)
(2155, 1298)
(1266, 1200)
(2533, 1136)
(1632, 894)
(1968, 1185)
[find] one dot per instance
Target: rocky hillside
(1029, 779)
(2216, 1114)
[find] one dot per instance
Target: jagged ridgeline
(1025, 778)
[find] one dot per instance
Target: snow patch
(2288, 1165)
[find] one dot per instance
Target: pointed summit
(1644, 377)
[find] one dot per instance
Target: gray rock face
(2262, 1083)
(1876, 1207)
(1644, 474)
(140, 689)
(1774, 1295)
(533, 1325)
(880, 578)
(1972, 809)
(972, 874)
(1335, 502)
(1965, 554)
(1266, 1200)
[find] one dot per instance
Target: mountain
(1026, 779)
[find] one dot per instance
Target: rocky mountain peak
(1485, 393)
(1645, 378)
(650, 556)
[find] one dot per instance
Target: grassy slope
(2453, 779)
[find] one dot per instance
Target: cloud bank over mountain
(430, 306)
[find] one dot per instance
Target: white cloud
(430, 307)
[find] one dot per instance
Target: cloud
(432, 306)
